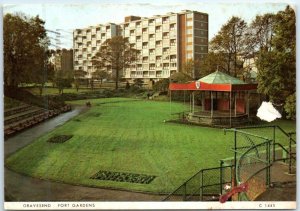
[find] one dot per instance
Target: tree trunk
(117, 79)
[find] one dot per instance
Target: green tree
(99, 75)
(212, 62)
(63, 80)
(25, 46)
(180, 77)
(138, 82)
(115, 54)
(161, 85)
(229, 42)
(192, 68)
(277, 64)
(78, 75)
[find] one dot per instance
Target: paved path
(23, 188)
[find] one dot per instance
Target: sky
(75, 14)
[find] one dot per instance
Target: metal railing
(205, 185)
(274, 133)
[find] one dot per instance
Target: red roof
(201, 86)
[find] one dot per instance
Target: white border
(146, 205)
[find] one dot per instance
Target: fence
(205, 185)
(255, 148)
(252, 161)
(283, 143)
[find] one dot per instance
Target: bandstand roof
(216, 81)
(220, 78)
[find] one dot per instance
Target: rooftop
(219, 77)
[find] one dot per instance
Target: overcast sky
(69, 16)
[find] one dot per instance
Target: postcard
(149, 105)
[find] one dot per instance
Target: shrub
(290, 106)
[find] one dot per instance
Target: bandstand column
(193, 102)
(203, 100)
(230, 108)
(211, 104)
(248, 104)
(235, 104)
(190, 102)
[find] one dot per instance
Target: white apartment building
(165, 43)
(86, 43)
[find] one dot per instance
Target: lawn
(125, 135)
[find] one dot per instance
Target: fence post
(290, 153)
(221, 176)
(274, 138)
(268, 164)
(201, 187)
(235, 157)
(184, 195)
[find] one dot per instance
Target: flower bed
(60, 138)
(124, 177)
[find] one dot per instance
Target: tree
(138, 82)
(99, 75)
(162, 85)
(192, 68)
(229, 42)
(63, 80)
(25, 46)
(115, 54)
(78, 75)
(180, 77)
(212, 62)
(277, 64)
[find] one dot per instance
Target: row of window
(150, 22)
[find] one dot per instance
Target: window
(151, 37)
(158, 43)
(158, 29)
(165, 19)
(172, 42)
(145, 59)
(190, 39)
(172, 27)
(166, 35)
(138, 39)
(189, 23)
(190, 15)
(151, 22)
(151, 52)
(189, 56)
(189, 47)
(152, 67)
(145, 45)
(189, 31)
(173, 58)
(165, 50)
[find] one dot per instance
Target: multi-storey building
(62, 60)
(87, 42)
(165, 43)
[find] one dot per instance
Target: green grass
(125, 135)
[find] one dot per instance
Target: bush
(290, 106)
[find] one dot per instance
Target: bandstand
(224, 99)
